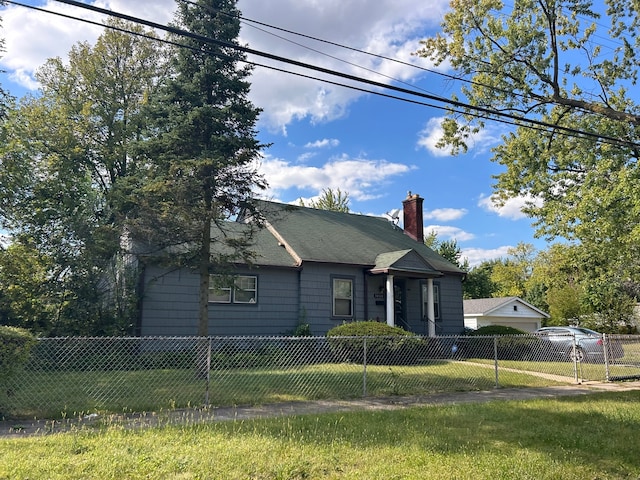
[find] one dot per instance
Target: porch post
(390, 302)
(431, 324)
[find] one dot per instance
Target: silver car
(589, 345)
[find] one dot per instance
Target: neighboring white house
(506, 311)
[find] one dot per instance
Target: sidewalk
(17, 429)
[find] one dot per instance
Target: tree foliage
(65, 155)
(574, 66)
(478, 283)
(448, 249)
(335, 200)
(511, 274)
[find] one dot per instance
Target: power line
(481, 112)
(249, 22)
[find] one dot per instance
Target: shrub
(386, 345)
(15, 346)
(366, 329)
(496, 330)
(512, 344)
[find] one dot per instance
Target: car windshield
(586, 331)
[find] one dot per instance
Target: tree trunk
(204, 262)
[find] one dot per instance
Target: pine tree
(203, 148)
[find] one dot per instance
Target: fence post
(575, 361)
(605, 346)
(208, 378)
(495, 358)
(364, 365)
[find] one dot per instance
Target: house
(317, 267)
(506, 311)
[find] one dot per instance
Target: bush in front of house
(385, 345)
(15, 347)
(512, 343)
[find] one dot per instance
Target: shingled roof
(485, 306)
(301, 234)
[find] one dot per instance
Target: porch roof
(407, 263)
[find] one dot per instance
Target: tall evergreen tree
(203, 152)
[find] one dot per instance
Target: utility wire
(481, 112)
(249, 22)
(335, 44)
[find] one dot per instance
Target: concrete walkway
(17, 429)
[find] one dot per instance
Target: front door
(400, 303)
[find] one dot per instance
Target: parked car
(589, 344)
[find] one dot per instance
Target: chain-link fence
(72, 376)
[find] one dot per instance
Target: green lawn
(585, 437)
(56, 394)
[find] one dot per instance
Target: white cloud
(32, 37)
(324, 143)
(445, 214)
(512, 208)
(361, 178)
(476, 256)
(305, 157)
(479, 142)
(390, 28)
(447, 232)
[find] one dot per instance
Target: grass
(592, 436)
(60, 394)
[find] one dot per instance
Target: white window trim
(334, 297)
(232, 291)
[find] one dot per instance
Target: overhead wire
(480, 112)
(247, 21)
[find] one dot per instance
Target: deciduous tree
(572, 65)
(335, 200)
(65, 155)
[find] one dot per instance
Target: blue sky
(323, 136)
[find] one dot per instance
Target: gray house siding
(171, 305)
(316, 295)
(413, 309)
(285, 298)
(170, 302)
(451, 307)
(275, 312)
(376, 304)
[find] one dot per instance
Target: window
(243, 290)
(436, 300)
(246, 290)
(342, 297)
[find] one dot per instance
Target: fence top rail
(287, 337)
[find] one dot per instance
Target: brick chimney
(413, 223)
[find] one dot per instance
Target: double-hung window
(239, 289)
(342, 297)
(436, 301)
